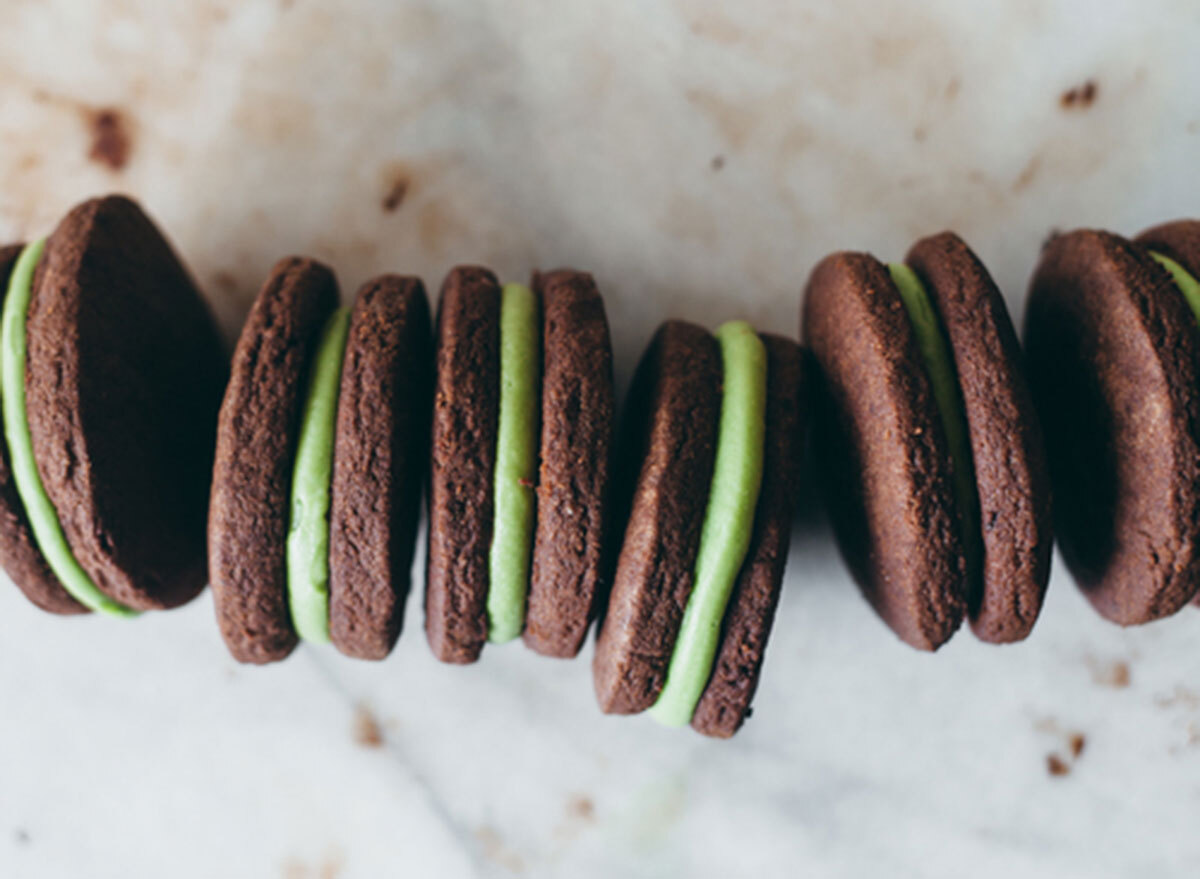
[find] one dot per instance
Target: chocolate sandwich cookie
(320, 460)
(711, 451)
(522, 425)
(931, 453)
(1114, 358)
(111, 372)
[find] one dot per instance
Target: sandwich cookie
(710, 452)
(320, 459)
(1113, 344)
(522, 429)
(931, 454)
(111, 371)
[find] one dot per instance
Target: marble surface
(698, 157)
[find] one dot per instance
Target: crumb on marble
(1079, 97)
(111, 140)
(1077, 741)
(367, 730)
(394, 197)
(1057, 766)
(717, 163)
(496, 851)
(1074, 740)
(581, 808)
(579, 814)
(953, 87)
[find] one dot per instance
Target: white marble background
(699, 157)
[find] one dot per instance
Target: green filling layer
(728, 521)
(516, 463)
(939, 366)
(43, 519)
(1187, 284)
(312, 476)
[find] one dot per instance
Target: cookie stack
(320, 457)
(932, 458)
(111, 372)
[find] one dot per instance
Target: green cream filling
(939, 366)
(43, 519)
(1187, 283)
(728, 521)
(312, 476)
(516, 464)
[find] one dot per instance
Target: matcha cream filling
(1184, 280)
(312, 477)
(728, 521)
(516, 463)
(939, 366)
(43, 519)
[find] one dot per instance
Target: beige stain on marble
(904, 66)
(497, 851)
(779, 137)
(733, 120)
(652, 814)
(904, 62)
(271, 118)
(330, 866)
(716, 25)
(690, 219)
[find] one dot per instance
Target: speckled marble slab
(698, 157)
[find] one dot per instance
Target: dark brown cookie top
(576, 439)
(19, 553)
(1114, 364)
(123, 379)
(379, 464)
(885, 464)
(1179, 240)
(466, 413)
(725, 702)
(256, 442)
(675, 403)
(1006, 442)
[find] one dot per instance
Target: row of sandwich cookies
(519, 412)
(335, 420)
